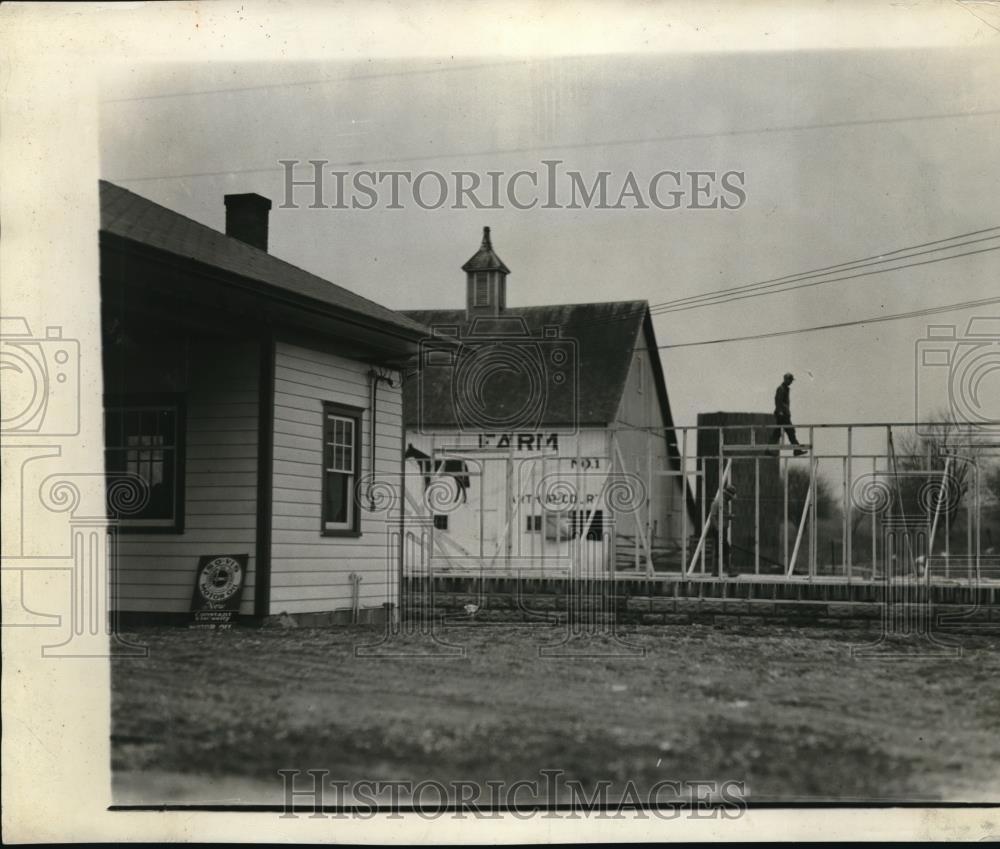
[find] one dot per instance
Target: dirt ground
(211, 717)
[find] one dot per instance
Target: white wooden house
(539, 439)
(254, 402)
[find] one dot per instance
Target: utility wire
(824, 272)
(873, 320)
(890, 256)
(830, 280)
(866, 262)
(832, 125)
(316, 82)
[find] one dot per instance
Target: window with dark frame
(341, 461)
(144, 438)
(534, 524)
(441, 522)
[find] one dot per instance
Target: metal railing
(839, 498)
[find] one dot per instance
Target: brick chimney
(246, 218)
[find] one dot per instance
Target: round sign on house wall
(219, 582)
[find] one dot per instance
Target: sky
(847, 151)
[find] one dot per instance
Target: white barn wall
(156, 571)
(640, 435)
(504, 491)
(310, 572)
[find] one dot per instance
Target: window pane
(140, 442)
(149, 423)
(337, 495)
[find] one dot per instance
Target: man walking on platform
(783, 414)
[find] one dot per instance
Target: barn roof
(603, 336)
(133, 217)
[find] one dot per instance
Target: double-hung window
(341, 462)
(144, 462)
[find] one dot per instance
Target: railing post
(798, 535)
(701, 508)
(937, 510)
(848, 506)
(813, 536)
(874, 546)
(684, 502)
(784, 523)
(650, 495)
(720, 518)
(756, 515)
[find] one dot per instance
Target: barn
(255, 411)
(539, 439)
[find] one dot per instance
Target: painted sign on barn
(517, 501)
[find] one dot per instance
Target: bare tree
(943, 441)
(798, 487)
(991, 481)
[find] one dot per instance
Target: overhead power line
(461, 155)
(791, 282)
(786, 281)
(316, 82)
(889, 256)
(811, 283)
(873, 320)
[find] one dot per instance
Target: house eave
(272, 306)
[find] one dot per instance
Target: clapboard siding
(156, 571)
(640, 432)
(311, 572)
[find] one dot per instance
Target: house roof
(133, 217)
(485, 259)
(599, 337)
